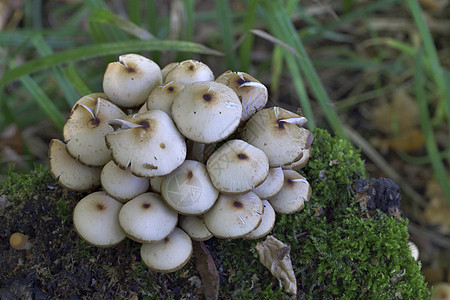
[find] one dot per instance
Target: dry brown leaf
(274, 255)
(207, 270)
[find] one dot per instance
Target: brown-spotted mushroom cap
(234, 216)
(267, 222)
(122, 184)
(195, 227)
(96, 221)
(296, 190)
(169, 254)
(206, 112)
(148, 143)
(276, 131)
(90, 100)
(129, 81)
(251, 92)
(188, 190)
(161, 97)
(189, 71)
(146, 219)
(237, 167)
(85, 131)
(272, 185)
(70, 173)
(298, 164)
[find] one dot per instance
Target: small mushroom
(90, 100)
(122, 184)
(129, 81)
(96, 221)
(147, 143)
(189, 71)
(167, 69)
(237, 167)
(234, 216)
(146, 219)
(272, 185)
(295, 191)
(276, 131)
(297, 165)
(251, 92)
(188, 190)
(169, 254)
(19, 241)
(85, 131)
(195, 227)
(161, 97)
(70, 173)
(206, 112)
(267, 222)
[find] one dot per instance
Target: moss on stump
(338, 249)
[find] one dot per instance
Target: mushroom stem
(19, 241)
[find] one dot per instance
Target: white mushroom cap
(251, 92)
(267, 223)
(70, 173)
(195, 227)
(234, 216)
(169, 254)
(296, 190)
(85, 131)
(188, 190)
(90, 100)
(206, 112)
(189, 71)
(146, 219)
(161, 97)
(96, 221)
(236, 167)
(155, 183)
(122, 184)
(298, 164)
(167, 69)
(272, 185)
(129, 81)
(276, 131)
(148, 143)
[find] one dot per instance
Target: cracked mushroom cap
(272, 185)
(147, 143)
(297, 165)
(90, 100)
(96, 221)
(70, 173)
(267, 222)
(161, 97)
(276, 131)
(206, 112)
(146, 219)
(237, 167)
(195, 227)
(296, 190)
(188, 190)
(86, 128)
(169, 254)
(234, 216)
(122, 184)
(129, 81)
(189, 71)
(251, 92)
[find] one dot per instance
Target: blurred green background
(374, 72)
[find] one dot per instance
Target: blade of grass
(427, 129)
(245, 51)
(134, 11)
(225, 20)
(282, 28)
(102, 49)
(75, 79)
(189, 6)
(276, 70)
(66, 87)
(437, 72)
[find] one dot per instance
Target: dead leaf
(207, 270)
(274, 255)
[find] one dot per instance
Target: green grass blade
(427, 129)
(134, 11)
(225, 20)
(102, 49)
(246, 48)
(75, 79)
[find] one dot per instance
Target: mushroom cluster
(143, 147)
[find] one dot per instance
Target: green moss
(63, 209)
